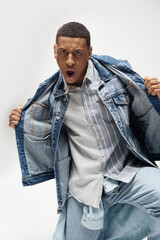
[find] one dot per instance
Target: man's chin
(72, 81)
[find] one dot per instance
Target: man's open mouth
(70, 73)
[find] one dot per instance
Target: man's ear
(55, 51)
(89, 52)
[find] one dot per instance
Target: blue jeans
(142, 193)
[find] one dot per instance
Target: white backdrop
(127, 29)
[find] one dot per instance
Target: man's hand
(15, 116)
(153, 85)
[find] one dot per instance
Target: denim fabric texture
(41, 136)
(139, 193)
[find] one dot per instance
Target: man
(92, 127)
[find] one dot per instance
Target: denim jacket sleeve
(33, 136)
(146, 122)
(145, 112)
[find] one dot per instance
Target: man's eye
(63, 52)
(78, 53)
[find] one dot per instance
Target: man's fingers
(150, 79)
(156, 92)
(13, 124)
(13, 120)
(152, 85)
(15, 116)
(153, 82)
(16, 113)
(17, 110)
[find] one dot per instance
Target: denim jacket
(41, 135)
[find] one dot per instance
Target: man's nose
(70, 60)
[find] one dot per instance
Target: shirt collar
(66, 89)
(90, 72)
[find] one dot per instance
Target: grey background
(127, 29)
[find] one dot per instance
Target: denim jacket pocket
(107, 117)
(122, 101)
(37, 120)
(37, 140)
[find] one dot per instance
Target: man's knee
(149, 182)
(148, 179)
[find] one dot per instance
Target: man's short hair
(74, 29)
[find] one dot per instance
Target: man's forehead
(71, 42)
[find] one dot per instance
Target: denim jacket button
(58, 117)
